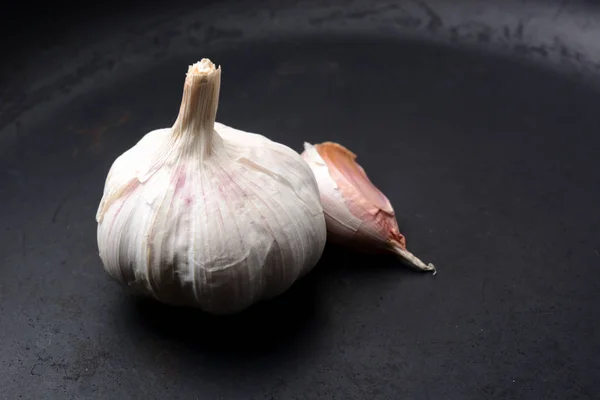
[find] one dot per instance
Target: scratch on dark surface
(59, 207)
(42, 358)
(435, 21)
(326, 18)
(97, 132)
(370, 12)
(560, 9)
(89, 357)
(35, 370)
(407, 19)
(520, 29)
(214, 33)
(12, 111)
(597, 253)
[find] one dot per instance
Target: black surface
(491, 164)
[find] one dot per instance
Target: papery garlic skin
(356, 212)
(349, 216)
(209, 216)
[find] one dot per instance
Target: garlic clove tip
(412, 260)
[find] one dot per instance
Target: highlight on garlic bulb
(204, 215)
(356, 212)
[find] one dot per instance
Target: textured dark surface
(490, 163)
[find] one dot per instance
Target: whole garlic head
(204, 215)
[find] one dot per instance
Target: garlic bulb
(356, 212)
(204, 215)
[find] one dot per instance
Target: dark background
(489, 157)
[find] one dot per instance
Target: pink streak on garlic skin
(362, 198)
(180, 178)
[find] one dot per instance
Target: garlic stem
(196, 120)
(412, 260)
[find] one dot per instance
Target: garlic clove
(357, 213)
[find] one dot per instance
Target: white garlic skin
(219, 230)
(341, 222)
